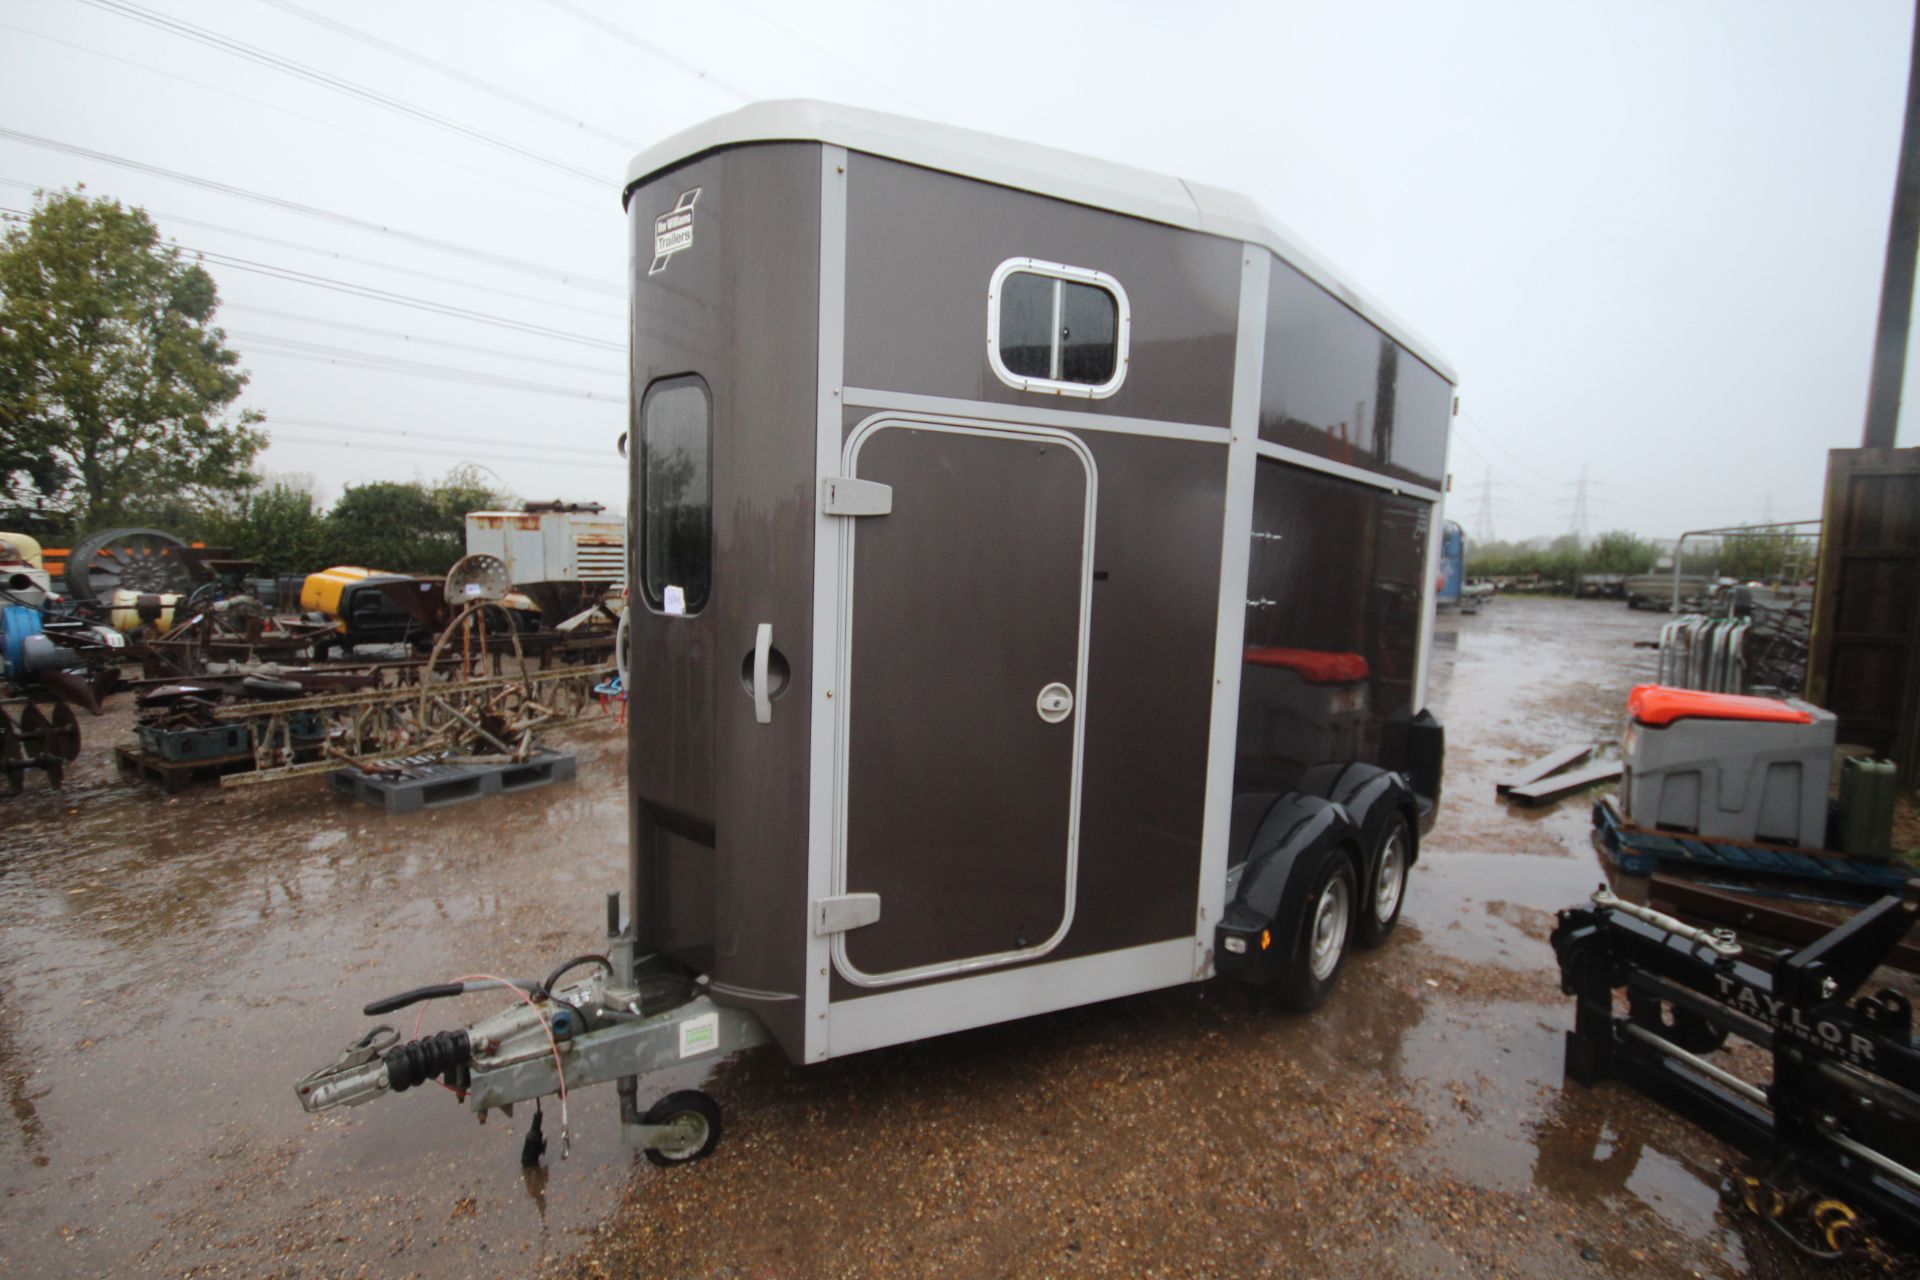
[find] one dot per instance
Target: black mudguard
(1417, 747)
(1370, 794)
(1269, 899)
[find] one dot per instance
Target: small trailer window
(1057, 330)
(676, 500)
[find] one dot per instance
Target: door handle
(762, 696)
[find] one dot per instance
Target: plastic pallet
(1640, 852)
(434, 786)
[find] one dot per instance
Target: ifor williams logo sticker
(673, 231)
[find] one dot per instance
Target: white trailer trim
(896, 1017)
(1346, 471)
(1229, 646)
(1023, 166)
(842, 963)
(823, 749)
(1058, 272)
(1040, 416)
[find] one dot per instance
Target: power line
(322, 353)
(292, 276)
(321, 424)
(466, 455)
(452, 73)
(293, 206)
(412, 339)
(402, 300)
(299, 247)
(648, 47)
(825, 52)
(546, 192)
(326, 80)
(1494, 440)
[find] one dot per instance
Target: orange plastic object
(1658, 706)
(1312, 665)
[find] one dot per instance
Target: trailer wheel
(1325, 928)
(1386, 882)
(695, 1116)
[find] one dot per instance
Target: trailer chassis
(634, 1016)
(1843, 1106)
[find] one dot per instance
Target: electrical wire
(412, 339)
(292, 276)
(465, 455)
(300, 247)
(621, 34)
(452, 73)
(409, 433)
(323, 353)
(825, 52)
(403, 300)
(536, 189)
(559, 1065)
(570, 279)
(313, 75)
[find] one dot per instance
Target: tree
(277, 524)
(408, 527)
(1620, 551)
(114, 379)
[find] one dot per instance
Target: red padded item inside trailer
(1315, 666)
(1659, 706)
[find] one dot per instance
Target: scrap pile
(267, 727)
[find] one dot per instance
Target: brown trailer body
(968, 480)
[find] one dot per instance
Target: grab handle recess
(762, 699)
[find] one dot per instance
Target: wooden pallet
(1640, 851)
(178, 775)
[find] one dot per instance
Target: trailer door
(963, 657)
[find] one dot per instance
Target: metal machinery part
(148, 561)
(38, 740)
(313, 723)
(478, 577)
(1844, 1100)
(633, 1016)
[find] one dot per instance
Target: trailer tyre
(695, 1116)
(1387, 872)
(1325, 929)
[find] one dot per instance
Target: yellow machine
(29, 548)
(322, 592)
(132, 610)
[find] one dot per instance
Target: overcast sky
(1647, 235)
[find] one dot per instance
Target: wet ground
(168, 967)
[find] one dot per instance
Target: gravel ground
(168, 968)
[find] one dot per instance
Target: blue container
(17, 622)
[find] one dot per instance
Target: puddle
(169, 967)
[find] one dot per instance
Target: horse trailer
(1032, 566)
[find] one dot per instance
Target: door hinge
(847, 496)
(844, 912)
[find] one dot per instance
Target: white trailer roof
(1023, 166)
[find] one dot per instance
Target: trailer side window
(1057, 330)
(676, 501)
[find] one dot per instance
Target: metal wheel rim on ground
(1391, 879)
(1329, 936)
(690, 1134)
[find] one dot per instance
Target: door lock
(1055, 703)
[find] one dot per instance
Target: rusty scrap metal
(501, 713)
(40, 741)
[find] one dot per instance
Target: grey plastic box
(1752, 780)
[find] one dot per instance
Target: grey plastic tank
(1729, 767)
